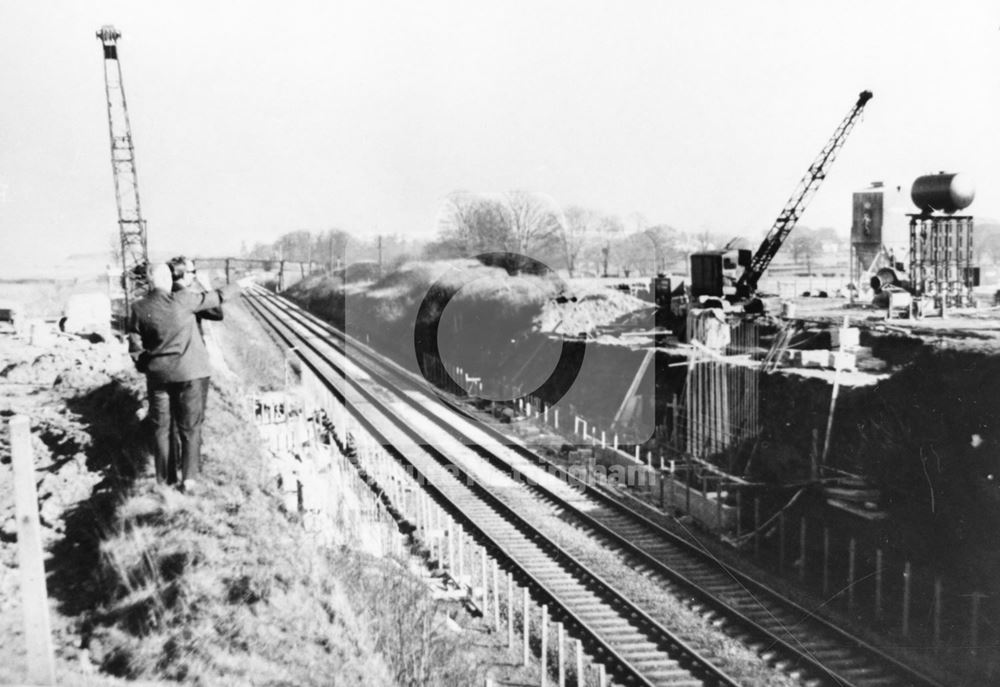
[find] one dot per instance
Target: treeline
(577, 240)
(335, 248)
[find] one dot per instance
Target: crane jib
(793, 209)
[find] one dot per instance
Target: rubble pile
(58, 387)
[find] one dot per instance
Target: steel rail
(631, 619)
(838, 669)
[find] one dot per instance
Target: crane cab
(715, 273)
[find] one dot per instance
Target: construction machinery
(131, 225)
(733, 273)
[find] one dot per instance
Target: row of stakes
(271, 414)
(668, 499)
(469, 566)
(287, 429)
(454, 552)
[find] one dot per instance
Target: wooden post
(781, 541)
(878, 584)
(739, 513)
(545, 647)
(687, 487)
(602, 677)
(496, 597)
(34, 596)
(718, 505)
(814, 455)
(581, 679)
(510, 611)
(802, 548)
(227, 270)
(851, 563)
(526, 616)
(673, 483)
(974, 623)
(451, 546)
(555, 418)
(826, 559)
(560, 634)
(937, 613)
(756, 526)
(486, 584)
(907, 582)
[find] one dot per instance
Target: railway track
(786, 634)
(636, 648)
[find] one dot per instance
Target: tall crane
(789, 217)
(131, 225)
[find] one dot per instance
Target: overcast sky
(252, 119)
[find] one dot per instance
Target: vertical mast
(131, 225)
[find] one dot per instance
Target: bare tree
(295, 245)
(632, 253)
(532, 223)
(580, 226)
(663, 239)
(599, 248)
(517, 222)
(472, 224)
(331, 247)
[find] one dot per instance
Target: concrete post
(937, 613)
(526, 616)
(802, 548)
(34, 596)
(496, 597)
(486, 584)
(907, 585)
(560, 635)
(544, 668)
(510, 611)
(851, 566)
(581, 678)
(878, 584)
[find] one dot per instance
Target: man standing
(184, 275)
(166, 346)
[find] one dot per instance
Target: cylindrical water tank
(943, 192)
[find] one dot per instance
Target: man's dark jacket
(163, 334)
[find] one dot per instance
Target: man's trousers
(184, 404)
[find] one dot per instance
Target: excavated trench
(926, 436)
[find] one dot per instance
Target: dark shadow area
(116, 451)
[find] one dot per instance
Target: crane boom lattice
(795, 206)
(131, 225)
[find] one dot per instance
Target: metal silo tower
(131, 225)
